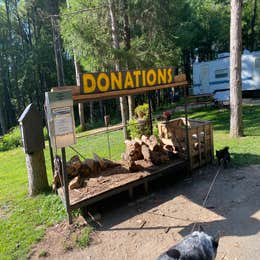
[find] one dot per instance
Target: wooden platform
(116, 180)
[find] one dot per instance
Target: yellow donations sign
(123, 81)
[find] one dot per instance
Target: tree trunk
(101, 109)
(82, 119)
(91, 111)
(131, 105)
(123, 104)
(37, 176)
(80, 105)
(236, 127)
(253, 23)
(2, 121)
(127, 43)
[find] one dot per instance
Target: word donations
(125, 80)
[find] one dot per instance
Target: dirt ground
(143, 229)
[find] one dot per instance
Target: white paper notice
(63, 122)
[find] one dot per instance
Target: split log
(156, 157)
(71, 171)
(133, 167)
(133, 150)
(167, 141)
(93, 165)
(153, 143)
(159, 157)
(104, 163)
(84, 170)
(75, 162)
(57, 178)
(76, 183)
(146, 153)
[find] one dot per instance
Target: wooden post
(35, 163)
(187, 130)
(66, 185)
(33, 143)
(150, 113)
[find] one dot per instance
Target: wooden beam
(126, 92)
(179, 81)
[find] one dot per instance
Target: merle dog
(196, 246)
(223, 156)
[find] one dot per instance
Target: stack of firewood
(78, 171)
(149, 149)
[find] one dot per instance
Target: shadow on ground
(234, 198)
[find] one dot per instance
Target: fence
(107, 144)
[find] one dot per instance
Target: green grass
(23, 220)
(244, 150)
(82, 239)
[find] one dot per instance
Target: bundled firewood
(148, 148)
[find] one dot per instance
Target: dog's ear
(201, 229)
(215, 240)
(173, 253)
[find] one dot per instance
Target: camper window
(223, 73)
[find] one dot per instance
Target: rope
(77, 152)
(206, 198)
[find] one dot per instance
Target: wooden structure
(74, 199)
(118, 180)
(178, 81)
(33, 144)
(199, 139)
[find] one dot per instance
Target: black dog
(223, 156)
(196, 246)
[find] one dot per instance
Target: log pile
(79, 171)
(148, 148)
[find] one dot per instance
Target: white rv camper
(212, 77)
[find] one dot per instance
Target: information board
(60, 118)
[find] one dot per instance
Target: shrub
(137, 128)
(142, 111)
(11, 140)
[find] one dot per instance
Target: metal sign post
(60, 119)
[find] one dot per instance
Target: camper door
(204, 79)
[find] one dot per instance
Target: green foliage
(11, 140)
(139, 125)
(142, 111)
(82, 239)
(133, 128)
(79, 129)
